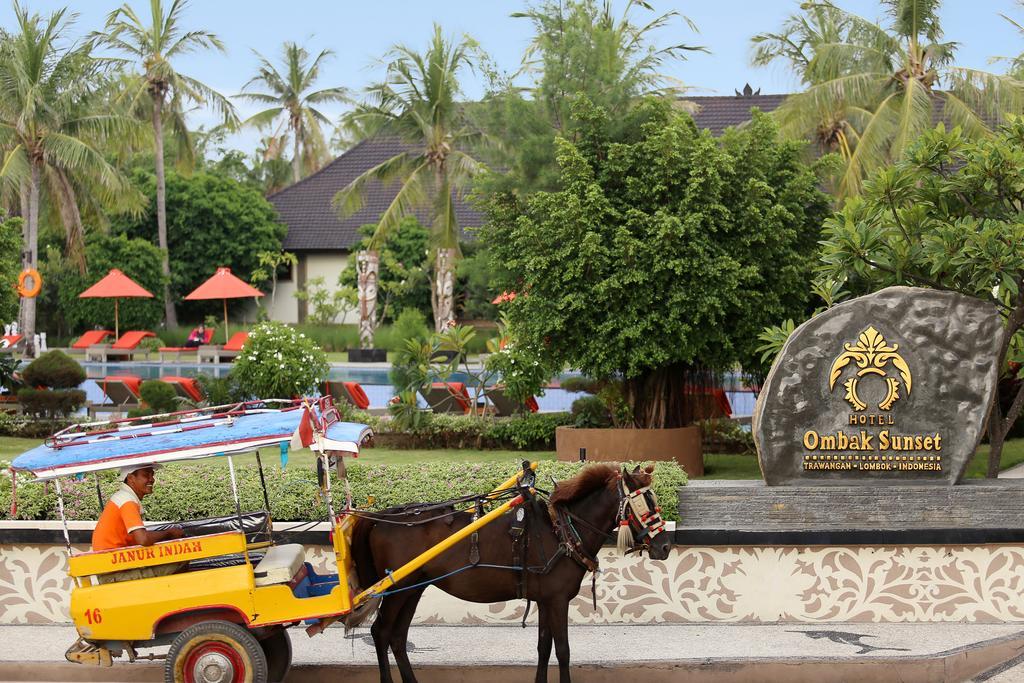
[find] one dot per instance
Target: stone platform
(978, 511)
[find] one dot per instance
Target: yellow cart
(224, 615)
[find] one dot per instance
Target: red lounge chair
(9, 343)
(124, 348)
(122, 390)
(217, 354)
(504, 406)
(185, 387)
(89, 338)
(178, 350)
(450, 397)
(348, 392)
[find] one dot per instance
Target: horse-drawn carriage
(226, 608)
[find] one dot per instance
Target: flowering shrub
(195, 491)
(279, 362)
(522, 371)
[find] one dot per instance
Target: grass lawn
(10, 447)
(716, 465)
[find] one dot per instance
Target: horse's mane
(586, 482)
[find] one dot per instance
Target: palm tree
(416, 101)
(47, 133)
(289, 94)
(159, 91)
(797, 43)
(880, 86)
(1016, 63)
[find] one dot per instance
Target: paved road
(714, 652)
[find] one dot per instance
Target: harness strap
(571, 543)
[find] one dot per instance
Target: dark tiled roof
(720, 112)
(313, 224)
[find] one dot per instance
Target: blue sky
(360, 32)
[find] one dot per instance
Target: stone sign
(894, 386)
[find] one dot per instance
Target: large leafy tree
(948, 217)
(661, 254)
(418, 102)
(881, 86)
(578, 47)
(139, 259)
(293, 103)
(217, 221)
(10, 264)
(160, 93)
(49, 137)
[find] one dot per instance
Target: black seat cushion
(224, 561)
(255, 525)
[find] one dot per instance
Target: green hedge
(28, 427)
(194, 491)
(530, 431)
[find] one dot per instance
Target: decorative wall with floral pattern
(799, 584)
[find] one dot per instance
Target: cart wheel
(215, 652)
(278, 649)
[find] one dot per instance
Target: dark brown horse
(558, 545)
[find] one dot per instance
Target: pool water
(374, 380)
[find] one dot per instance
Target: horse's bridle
(639, 512)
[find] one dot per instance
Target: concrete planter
(682, 445)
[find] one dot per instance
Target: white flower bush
(278, 362)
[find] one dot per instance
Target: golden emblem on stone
(872, 355)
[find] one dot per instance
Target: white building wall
(285, 307)
(329, 266)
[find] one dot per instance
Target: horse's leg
(400, 634)
(543, 643)
(558, 620)
(382, 629)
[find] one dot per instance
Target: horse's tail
(362, 553)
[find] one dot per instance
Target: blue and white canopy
(187, 436)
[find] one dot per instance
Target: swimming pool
(374, 380)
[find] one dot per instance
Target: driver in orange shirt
(120, 525)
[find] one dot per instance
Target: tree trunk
(1000, 423)
(170, 316)
(367, 269)
(443, 294)
(296, 158)
(666, 398)
(995, 441)
(74, 230)
(30, 258)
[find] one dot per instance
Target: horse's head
(640, 524)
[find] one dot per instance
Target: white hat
(128, 469)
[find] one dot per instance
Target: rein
(638, 519)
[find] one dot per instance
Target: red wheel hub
(214, 662)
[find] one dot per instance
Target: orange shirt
(121, 516)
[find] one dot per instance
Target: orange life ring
(37, 283)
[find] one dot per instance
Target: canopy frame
(333, 435)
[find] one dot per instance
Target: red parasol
(116, 285)
(223, 285)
